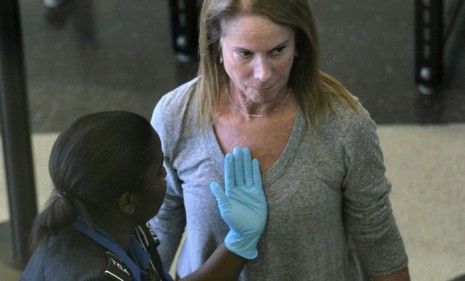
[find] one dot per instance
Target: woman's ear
(220, 55)
(127, 203)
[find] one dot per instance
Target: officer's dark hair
(93, 162)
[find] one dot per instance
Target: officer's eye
(162, 172)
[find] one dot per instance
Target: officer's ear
(127, 203)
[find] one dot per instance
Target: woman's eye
(244, 54)
(163, 172)
(278, 51)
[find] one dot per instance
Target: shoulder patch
(117, 269)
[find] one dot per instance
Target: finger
(257, 177)
(220, 197)
(228, 172)
(238, 167)
(247, 160)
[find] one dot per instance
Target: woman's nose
(262, 69)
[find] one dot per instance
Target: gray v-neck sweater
(329, 213)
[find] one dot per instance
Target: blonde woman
(259, 85)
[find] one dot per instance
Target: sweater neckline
(282, 163)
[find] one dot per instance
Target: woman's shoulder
(72, 256)
(173, 113)
(342, 107)
(175, 99)
(346, 119)
(99, 263)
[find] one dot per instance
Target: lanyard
(103, 238)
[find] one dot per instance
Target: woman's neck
(240, 103)
(120, 230)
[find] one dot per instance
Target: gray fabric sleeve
(367, 209)
(170, 221)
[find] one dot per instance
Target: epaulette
(116, 269)
(147, 237)
(149, 240)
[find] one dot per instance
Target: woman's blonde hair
(315, 90)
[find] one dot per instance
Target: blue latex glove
(242, 203)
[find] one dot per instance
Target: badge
(116, 269)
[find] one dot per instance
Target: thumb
(220, 196)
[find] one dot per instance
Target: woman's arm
(221, 265)
(170, 221)
(402, 275)
(367, 209)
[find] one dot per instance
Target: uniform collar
(137, 259)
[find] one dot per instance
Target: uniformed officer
(108, 181)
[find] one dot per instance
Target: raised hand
(242, 202)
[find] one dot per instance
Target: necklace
(256, 115)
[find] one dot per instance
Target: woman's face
(154, 193)
(257, 56)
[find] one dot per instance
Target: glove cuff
(244, 247)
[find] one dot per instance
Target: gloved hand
(242, 203)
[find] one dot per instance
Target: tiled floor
(100, 55)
